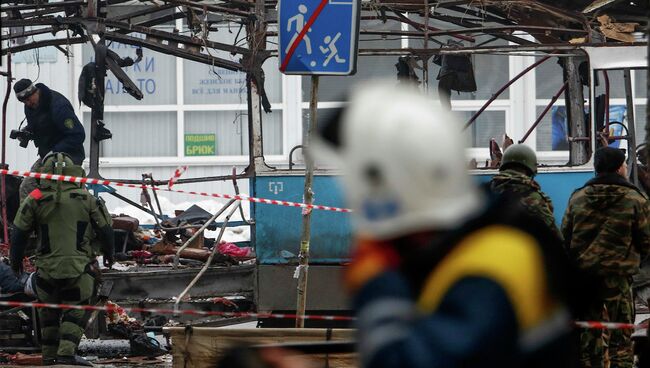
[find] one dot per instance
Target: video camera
(23, 136)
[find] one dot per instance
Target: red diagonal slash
(302, 34)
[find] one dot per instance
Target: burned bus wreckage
(298, 241)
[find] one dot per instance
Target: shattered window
(491, 72)
(640, 93)
(616, 83)
(640, 80)
(640, 119)
(334, 88)
(548, 78)
(490, 124)
(552, 130)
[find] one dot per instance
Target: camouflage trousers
(61, 330)
(615, 305)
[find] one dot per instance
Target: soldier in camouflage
(516, 176)
(606, 228)
(67, 218)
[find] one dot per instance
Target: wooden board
(203, 346)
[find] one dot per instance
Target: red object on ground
(234, 251)
(26, 359)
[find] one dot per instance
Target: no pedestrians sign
(318, 37)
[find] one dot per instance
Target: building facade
(196, 115)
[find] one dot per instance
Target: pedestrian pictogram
(318, 37)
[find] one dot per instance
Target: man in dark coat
(53, 125)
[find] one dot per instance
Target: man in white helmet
(442, 274)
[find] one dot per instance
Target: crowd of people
(444, 272)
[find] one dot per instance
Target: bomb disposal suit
(67, 218)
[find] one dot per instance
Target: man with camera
(51, 124)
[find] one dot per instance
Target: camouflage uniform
(607, 230)
(530, 193)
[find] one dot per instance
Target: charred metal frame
(88, 19)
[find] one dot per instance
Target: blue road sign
(318, 37)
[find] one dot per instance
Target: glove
(369, 260)
(108, 261)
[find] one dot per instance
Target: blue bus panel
(278, 228)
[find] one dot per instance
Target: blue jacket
(9, 282)
(55, 126)
(481, 296)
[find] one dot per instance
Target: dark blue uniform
(9, 282)
(55, 126)
(486, 295)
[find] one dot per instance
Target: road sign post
(318, 37)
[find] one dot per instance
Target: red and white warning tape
(242, 197)
(609, 325)
(115, 308)
(177, 174)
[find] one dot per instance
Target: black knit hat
(608, 159)
(24, 88)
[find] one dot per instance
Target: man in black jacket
(53, 125)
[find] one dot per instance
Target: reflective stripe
(378, 337)
(558, 324)
(508, 256)
(22, 95)
(387, 308)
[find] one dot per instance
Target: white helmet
(403, 161)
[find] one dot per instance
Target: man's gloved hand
(369, 260)
(108, 261)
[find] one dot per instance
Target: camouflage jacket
(530, 194)
(606, 226)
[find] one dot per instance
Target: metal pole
(541, 116)
(177, 257)
(209, 261)
(97, 111)
(575, 107)
(303, 256)
(631, 128)
(606, 76)
(500, 91)
(5, 226)
(425, 62)
(647, 105)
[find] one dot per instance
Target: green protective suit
(67, 218)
